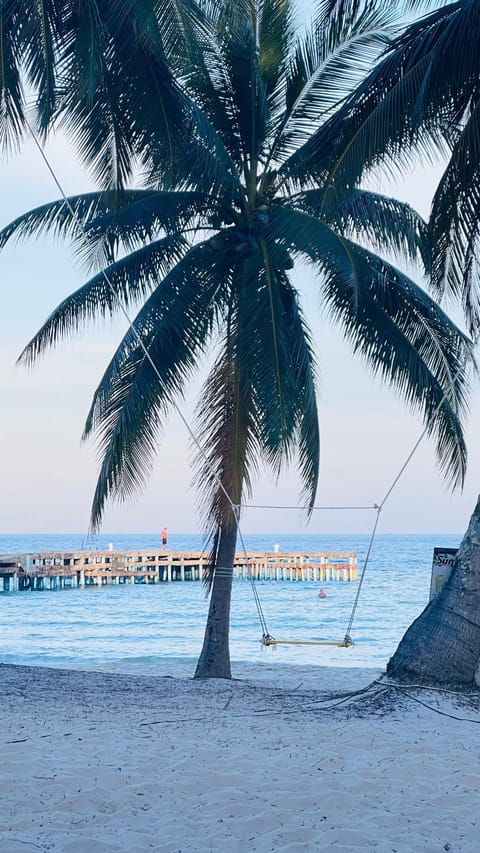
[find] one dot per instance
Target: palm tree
(425, 95)
(206, 254)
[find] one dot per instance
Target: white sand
(96, 762)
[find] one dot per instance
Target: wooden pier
(61, 570)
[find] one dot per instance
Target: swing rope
(256, 597)
(348, 638)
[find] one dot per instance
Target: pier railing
(56, 570)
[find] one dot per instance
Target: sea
(159, 628)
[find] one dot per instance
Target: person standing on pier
(164, 535)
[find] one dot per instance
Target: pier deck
(57, 570)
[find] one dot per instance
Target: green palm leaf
(122, 284)
(455, 224)
(386, 224)
(228, 435)
(276, 37)
(101, 223)
(402, 334)
(328, 61)
(12, 106)
(137, 389)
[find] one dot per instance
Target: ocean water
(145, 628)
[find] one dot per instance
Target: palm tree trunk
(214, 660)
(442, 646)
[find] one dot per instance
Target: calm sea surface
(148, 626)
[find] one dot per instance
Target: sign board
(443, 560)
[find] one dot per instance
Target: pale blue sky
(48, 477)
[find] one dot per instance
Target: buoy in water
(322, 594)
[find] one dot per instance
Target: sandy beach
(278, 759)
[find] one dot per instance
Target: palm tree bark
(214, 660)
(442, 646)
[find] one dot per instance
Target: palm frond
(304, 370)
(12, 105)
(141, 216)
(206, 79)
(385, 223)
(281, 363)
(327, 8)
(423, 5)
(184, 25)
(103, 110)
(40, 34)
(227, 433)
(102, 223)
(329, 60)
(133, 397)
(259, 401)
(249, 95)
(55, 217)
(283, 368)
(455, 224)
(276, 36)
(398, 329)
(122, 284)
(416, 96)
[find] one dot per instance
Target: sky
(48, 476)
